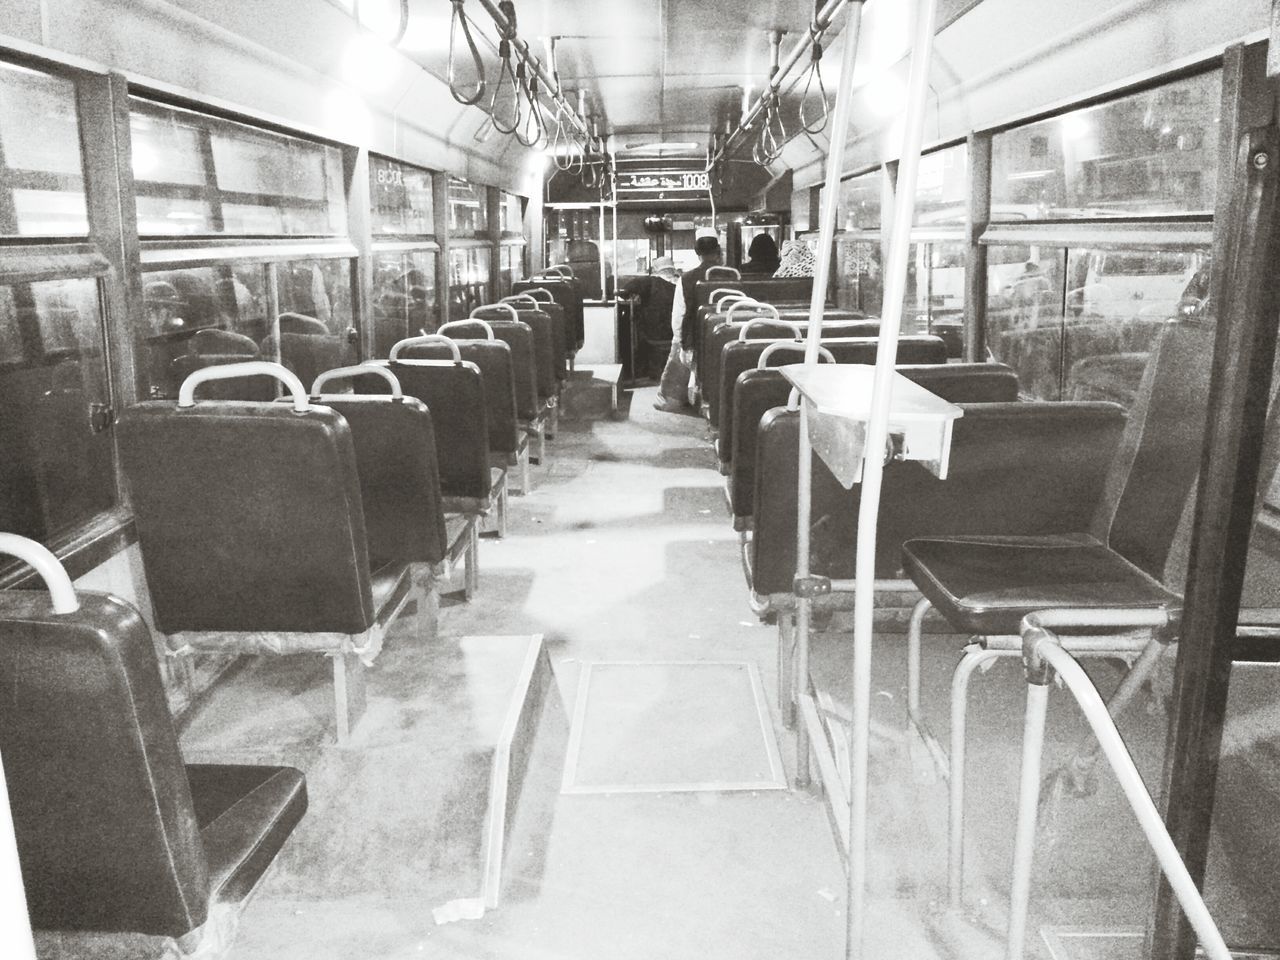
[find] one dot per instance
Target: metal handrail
(503, 305)
(771, 349)
(794, 327)
(460, 18)
(359, 369)
(62, 593)
(1044, 657)
(423, 340)
(768, 308)
(488, 330)
(234, 371)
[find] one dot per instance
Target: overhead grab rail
(822, 20)
(808, 126)
(507, 75)
(459, 22)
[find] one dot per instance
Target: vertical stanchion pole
(817, 304)
(873, 470)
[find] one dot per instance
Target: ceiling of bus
(653, 70)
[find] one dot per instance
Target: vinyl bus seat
(728, 310)
(539, 299)
(984, 583)
(734, 347)
(453, 391)
(115, 834)
(550, 363)
(564, 291)
(760, 390)
(250, 520)
(508, 442)
(213, 346)
(399, 473)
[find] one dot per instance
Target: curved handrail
(793, 399)
(425, 339)
(341, 373)
(757, 305)
(520, 298)
(543, 290)
(563, 271)
(41, 559)
(726, 273)
(728, 293)
(488, 330)
(767, 352)
(494, 306)
(795, 327)
(460, 17)
(234, 371)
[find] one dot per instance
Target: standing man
(673, 391)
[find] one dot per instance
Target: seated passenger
(763, 254)
(797, 260)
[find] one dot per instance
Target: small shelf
(838, 399)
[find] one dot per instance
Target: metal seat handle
(423, 340)
(771, 349)
(523, 297)
(550, 298)
(475, 314)
(727, 294)
(488, 330)
(760, 321)
(769, 309)
(341, 373)
(249, 368)
(41, 559)
(723, 273)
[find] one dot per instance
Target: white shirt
(677, 313)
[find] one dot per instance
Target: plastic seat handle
(234, 371)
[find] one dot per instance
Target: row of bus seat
(304, 525)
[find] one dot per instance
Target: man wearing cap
(673, 390)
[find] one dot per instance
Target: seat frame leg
(348, 692)
(786, 667)
(974, 657)
(428, 604)
(1028, 805)
(471, 561)
(526, 475)
(915, 631)
(502, 509)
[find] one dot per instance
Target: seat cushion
(245, 814)
(986, 585)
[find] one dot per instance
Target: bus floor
(624, 552)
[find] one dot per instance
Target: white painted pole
(873, 469)
(817, 304)
(16, 941)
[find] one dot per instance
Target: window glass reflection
(41, 180)
(402, 201)
(1078, 324)
(942, 186)
(468, 216)
(404, 297)
(510, 266)
(511, 213)
(469, 270)
(1150, 153)
(860, 283)
(197, 174)
(56, 468)
(859, 205)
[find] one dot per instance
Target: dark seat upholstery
(454, 393)
(1016, 469)
(565, 292)
(738, 356)
(709, 339)
(1133, 524)
(493, 359)
(251, 522)
(549, 360)
(758, 391)
(259, 389)
(986, 586)
(306, 353)
(114, 833)
(519, 338)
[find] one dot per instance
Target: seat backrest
(739, 355)
(565, 292)
(493, 358)
(454, 393)
(107, 834)
(583, 256)
(759, 390)
(249, 516)
(1016, 469)
(1159, 455)
(547, 333)
(769, 290)
(309, 355)
(395, 446)
(709, 360)
(519, 338)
